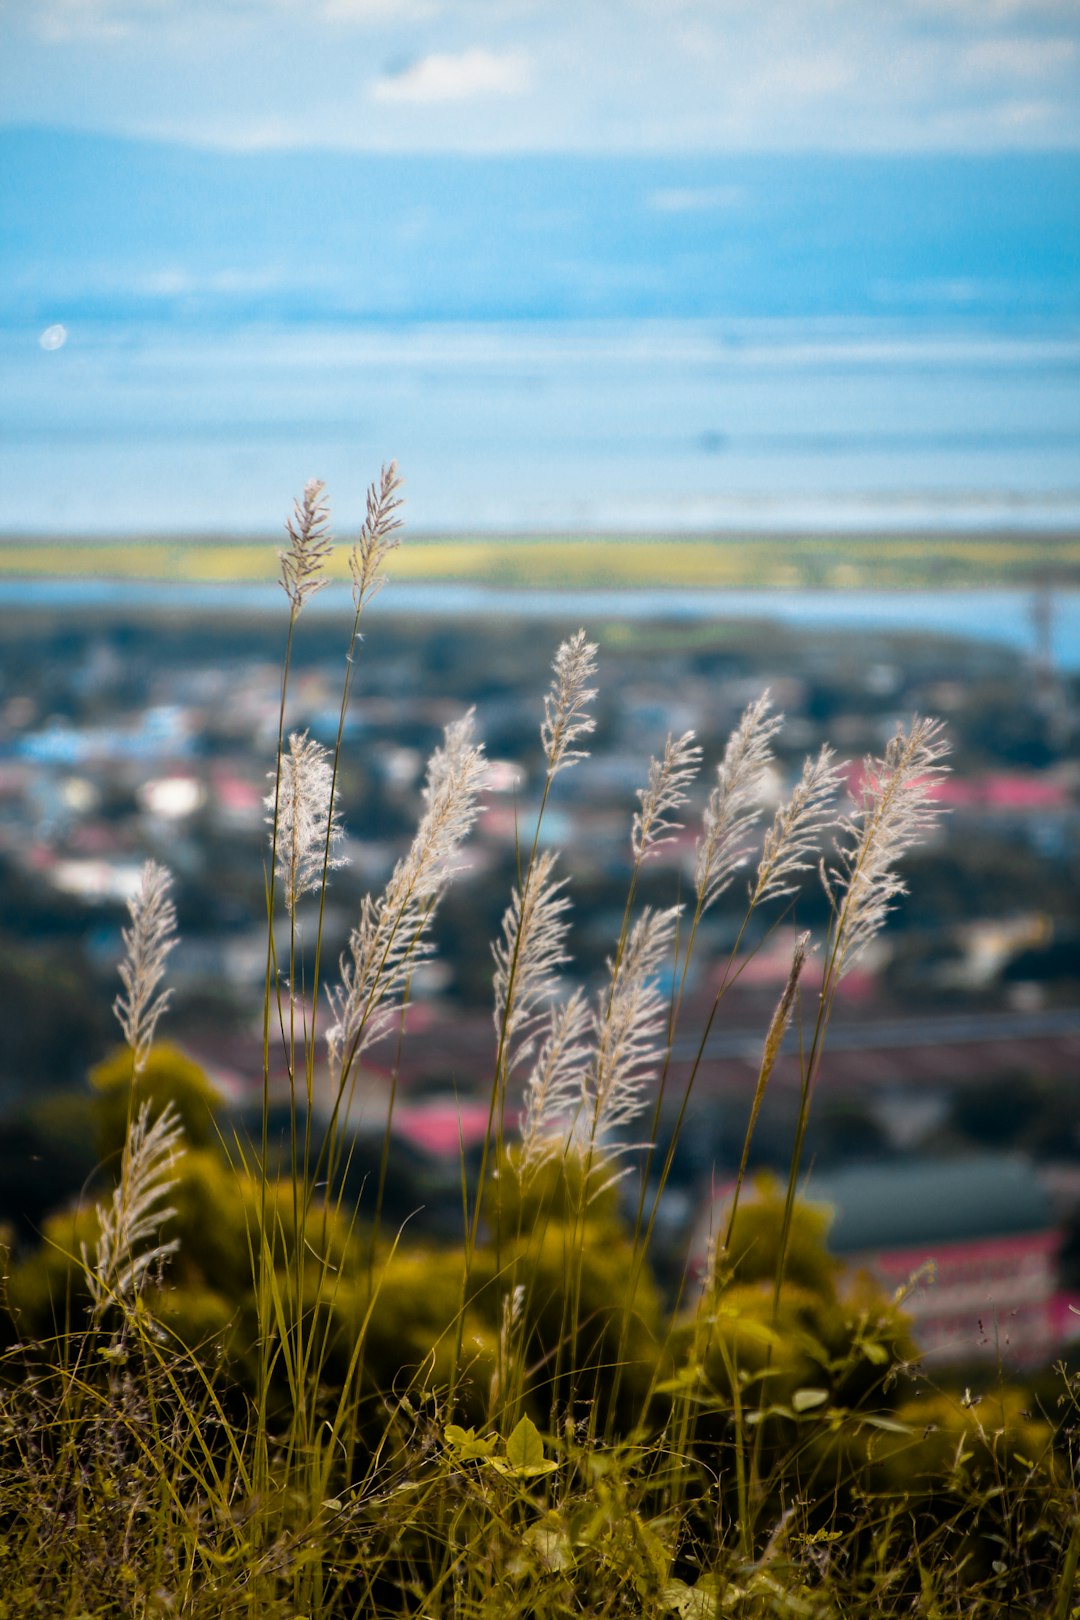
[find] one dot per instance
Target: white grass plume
(733, 806)
(129, 1242)
(664, 795)
(566, 716)
(147, 943)
(896, 809)
(628, 1028)
(391, 938)
(307, 827)
(303, 565)
(527, 957)
(792, 843)
(378, 537)
(552, 1101)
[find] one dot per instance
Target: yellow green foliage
(169, 1076)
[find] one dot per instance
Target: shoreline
(891, 561)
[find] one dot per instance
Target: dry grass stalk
(378, 537)
(129, 1244)
(303, 817)
(792, 842)
(733, 806)
(310, 544)
(528, 956)
(566, 716)
(665, 794)
(628, 1028)
(896, 809)
(553, 1093)
(391, 937)
(147, 943)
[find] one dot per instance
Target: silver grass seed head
(665, 793)
(147, 943)
(129, 1245)
(310, 544)
(378, 537)
(734, 805)
(303, 816)
(792, 843)
(531, 949)
(392, 936)
(554, 1090)
(566, 716)
(629, 1027)
(896, 808)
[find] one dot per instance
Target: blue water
(1001, 617)
(632, 426)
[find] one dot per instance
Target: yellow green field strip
(860, 561)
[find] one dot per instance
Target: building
(972, 1244)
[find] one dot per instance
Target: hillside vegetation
(231, 1388)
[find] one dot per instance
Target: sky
(664, 76)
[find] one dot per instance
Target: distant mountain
(107, 228)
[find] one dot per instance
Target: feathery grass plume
(797, 829)
(895, 810)
(310, 544)
(135, 1215)
(665, 793)
(553, 1092)
(147, 943)
(733, 806)
(390, 939)
(566, 716)
(528, 955)
(628, 1027)
(303, 817)
(378, 537)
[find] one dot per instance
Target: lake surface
(999, 617)
(546, 426)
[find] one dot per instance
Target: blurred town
(946, 1125)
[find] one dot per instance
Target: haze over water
(627, 426)
(630, 344)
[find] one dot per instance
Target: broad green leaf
(525, 1448)
(551, 1544)
(524, 1453)
(466, 1444)
(688, 1602)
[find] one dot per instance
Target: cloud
(466, 76)
(812, 75)
(1017, 57)
(617, 75)
(62, 21)
(983, 11)
(1018, 115)
(695, 199)
(378, 11)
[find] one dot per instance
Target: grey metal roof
(926, 1201)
